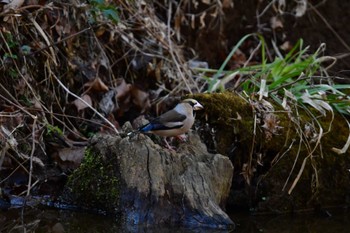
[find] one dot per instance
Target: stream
(58, 221)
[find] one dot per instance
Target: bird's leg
(182, 137)
(167, 145)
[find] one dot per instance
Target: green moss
(231, 116)
(95, 183)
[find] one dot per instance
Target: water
(339, 222)
(59, 221)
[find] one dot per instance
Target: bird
(175, 122)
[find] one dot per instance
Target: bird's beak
(197, 106)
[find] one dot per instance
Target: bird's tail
(133, 133)
(146, 128)
(143, 129)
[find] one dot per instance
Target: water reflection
(59, 221)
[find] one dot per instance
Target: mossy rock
(223, 112)
(95, 184)
(286, 173)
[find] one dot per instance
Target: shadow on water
(338, 221)
(59, 221)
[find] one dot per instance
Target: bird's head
(194, 103)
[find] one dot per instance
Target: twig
(294, 164)
(330, 27)
(310, 155)
(3, 153)
(87, 104)
(171, 49)
(296, 180)
(265, 9)
(42, 33)
(14, 103)
(31, 157)
(20, 165)
(58, 42)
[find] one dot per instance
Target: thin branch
(171, 49)
(330, 27)
(31, 157)
(87, 104)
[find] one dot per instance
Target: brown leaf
(177, 24)
(37, 105)
(140, 99)
(123, 88)
(70, 157)
(96, 85)
(100, 31)
(271, 125)
(80, 104)
(227, 4)
(158, 71)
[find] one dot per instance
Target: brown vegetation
(71, 70)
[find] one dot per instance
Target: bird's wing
(169, 120)
(172, 119)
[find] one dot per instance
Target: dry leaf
(33, 158)
(140, 99)
(37, 105)
(227, 4)
(177, 24)
(80, 105)
(300, 9)
(345, 147)
(247, 172)
(202, 20)
(319, 104)
(96, 85)
(194, 64)
(122, 88)
(108, 103)
(276, 23)
(259, 159)
(271, 125)
(281, 6)
(286, 46)
(70, 157)
(193, 21)
(14, 4)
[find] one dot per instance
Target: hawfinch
(174, 122)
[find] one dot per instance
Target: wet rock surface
(152, 185)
